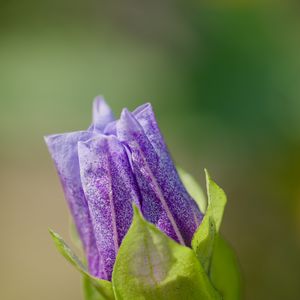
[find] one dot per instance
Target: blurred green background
(224, 79)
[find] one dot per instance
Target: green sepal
(193, 188)
(225, 271)
(216, 201)
(91, 292)
(91, 283)
(151, 266)
(203, 241)
(204, 237)
(214, 253)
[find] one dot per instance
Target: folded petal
(145, 116)
(102, 114)
(110, 187)
(63, 149)
(166, 202)
(110, 128)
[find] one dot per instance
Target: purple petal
(110, 129)
(63, 149)
(110, 188)
(145, 163)
(102, 114)
(146, 117)
(166, 203)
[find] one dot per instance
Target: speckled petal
(102, 114)
(110, 188)
(166, 202)
(146, 117)
(63, 149)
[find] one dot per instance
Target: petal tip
(49, 140)
(46, 139)
(102, 113)
(143, 107)
(99, 102)
(127, 119)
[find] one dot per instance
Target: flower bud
(111, 165)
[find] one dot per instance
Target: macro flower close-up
(119, 170)
(149, 150)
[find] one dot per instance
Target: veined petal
(102, 114)
(110, 187)
(174, 187)
(63, 149)
(166, 202)
(145, 162)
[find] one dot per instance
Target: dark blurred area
(224, 79)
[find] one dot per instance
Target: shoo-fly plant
(146, 229)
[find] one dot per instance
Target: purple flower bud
(109, 166)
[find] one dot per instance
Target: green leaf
(151, 266)
(103, 287)
(215, 255)
(204, 238)
(92, 293)
(193, 188)
(216, 201)
(203, 241)
(225, 271)
(69, 255)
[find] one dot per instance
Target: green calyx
(94, 288)
(151, 266)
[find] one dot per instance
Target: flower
(111, 165)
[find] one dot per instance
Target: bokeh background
(224, 79)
